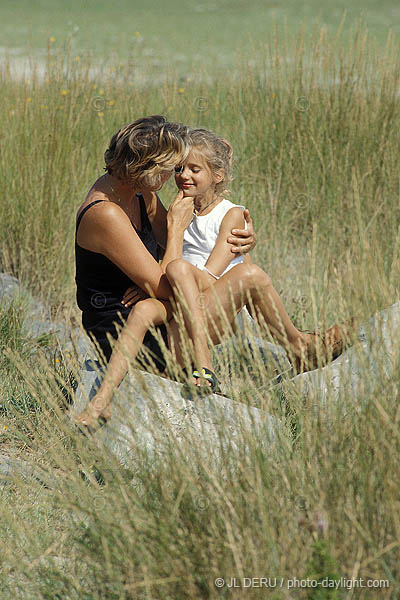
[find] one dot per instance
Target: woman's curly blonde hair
(142, 150)
(218, 154)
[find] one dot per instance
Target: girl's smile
(195, 178)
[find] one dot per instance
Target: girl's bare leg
(225, 298)
(188, 283)
(144, 314)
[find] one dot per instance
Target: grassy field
(207, 34)
(315, 127)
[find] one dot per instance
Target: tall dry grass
(315, 131)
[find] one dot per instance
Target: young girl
(206, 270)
(209, 286)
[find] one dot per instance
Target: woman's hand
(180, 213)
(132, 295)
(243, 240)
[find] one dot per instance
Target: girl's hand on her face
(180, 213)
(132, 295)
(243, 240)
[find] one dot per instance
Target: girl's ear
(219, 176)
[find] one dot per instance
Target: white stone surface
(149, 412)
(352, 377)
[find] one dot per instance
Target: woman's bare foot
(97, 413)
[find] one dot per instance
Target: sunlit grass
(316, 136)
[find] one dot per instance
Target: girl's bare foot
(317, 349)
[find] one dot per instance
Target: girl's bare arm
(221, 254)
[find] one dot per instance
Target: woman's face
(164, 176)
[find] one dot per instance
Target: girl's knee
(254, 277)
(177, 269)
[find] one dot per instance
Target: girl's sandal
(191, 390)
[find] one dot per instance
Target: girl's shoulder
(227, 204)
(224, 207)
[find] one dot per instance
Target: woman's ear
(219, 176)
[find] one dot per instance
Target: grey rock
(14, 469)
(37, 321)
(37, 316)
(354, 376)
(151, 414)
(254, 348)
(9, 287)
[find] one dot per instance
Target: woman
(122, 230)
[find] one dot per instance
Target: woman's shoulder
(99, 203)
(95, 217)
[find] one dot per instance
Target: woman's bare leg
(144, 314)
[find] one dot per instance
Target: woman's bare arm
(243, 240)
(107, 230)
(157, 214)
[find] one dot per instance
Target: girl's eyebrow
(193, 164)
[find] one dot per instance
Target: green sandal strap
(209, 376)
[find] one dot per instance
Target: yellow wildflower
(181, 90)
(78, 58)
(64, 92)
(100, 114)
(29, 100)
(111, 102)
(101, 92)
(52, 39)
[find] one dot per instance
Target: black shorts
(98, 329)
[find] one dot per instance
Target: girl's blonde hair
(218, 154)
(142, 150)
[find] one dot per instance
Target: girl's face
(194, 176)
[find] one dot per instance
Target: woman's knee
(177, 269)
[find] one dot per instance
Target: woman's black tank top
(100, 283)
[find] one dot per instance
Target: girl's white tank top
(201, 235)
